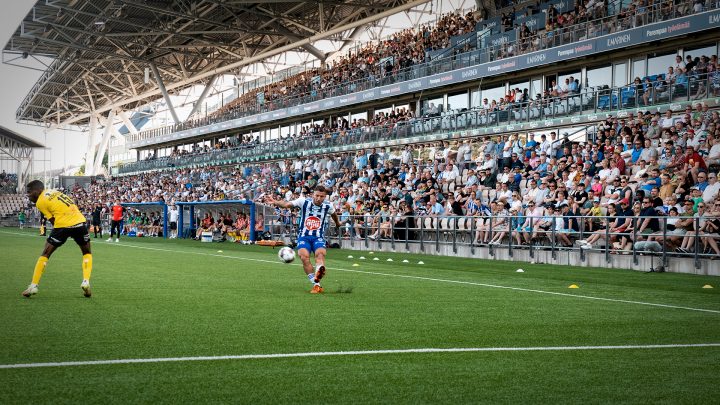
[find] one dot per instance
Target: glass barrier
(661, 236)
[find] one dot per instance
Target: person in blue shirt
(702, 181)
(653, 180)
(573, 86)
(530, 145)
(436, 209)
(636, 151)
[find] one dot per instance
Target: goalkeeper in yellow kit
(67, 222)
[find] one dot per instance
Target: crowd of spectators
(694, 77)
(373, 61)
(383, 61)
(8, 183)
(649, 179)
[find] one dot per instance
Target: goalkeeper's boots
(86, 289)
(316, 289)
(31, 290)
(319, 273)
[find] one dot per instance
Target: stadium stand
(411, 54)
(8, 183)
(519, 190)
(638, 176)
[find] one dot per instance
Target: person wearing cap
(489, 163)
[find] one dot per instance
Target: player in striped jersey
(314, 213)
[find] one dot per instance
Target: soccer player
(67, 222)
(116, 216)
(314, 213)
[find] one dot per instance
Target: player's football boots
(86, 289)
(31, 290)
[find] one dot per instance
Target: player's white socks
(311, 277)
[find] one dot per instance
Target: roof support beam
(130, 126)
(90, 151)
(165, 94)
(104, 142)
(247, 61)
(204, 94)
(291, 35)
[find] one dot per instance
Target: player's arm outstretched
(336, 219)
(278, 203)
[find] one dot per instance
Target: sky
(16, 82)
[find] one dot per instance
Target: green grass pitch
(162, 299)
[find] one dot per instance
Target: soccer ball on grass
(286, 255)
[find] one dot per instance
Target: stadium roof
(27, 142)
(106, 53)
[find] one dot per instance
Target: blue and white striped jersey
(313, 219)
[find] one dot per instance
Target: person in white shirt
(713, 157)
(172, 219)
(450, 173)
(504, 177)
(489, 164)
(679, 62)
(711, 190)
(668, 120)
(545, 145)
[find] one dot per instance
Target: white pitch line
(352, 353)
(441, 280)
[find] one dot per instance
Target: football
(286, 255)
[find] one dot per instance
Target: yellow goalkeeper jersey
(54, 204)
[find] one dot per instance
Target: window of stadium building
(388, 110)
(660, 63)
(494, 93)
(620, 74)
(536, 86)
(475, 99)
(520, 85)
(458, 101)
(566, 76)
(432, 104)
(638, 68)
(359, 116)
(706, 51)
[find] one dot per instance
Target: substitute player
(67, 222)
(311, 231)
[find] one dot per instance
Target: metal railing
(607, 235)
(554, 38)
(586, 101)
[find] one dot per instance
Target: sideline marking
(350, 353)
(441, 280)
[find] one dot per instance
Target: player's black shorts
(59, 236)
(96, 223)
(173, 226)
